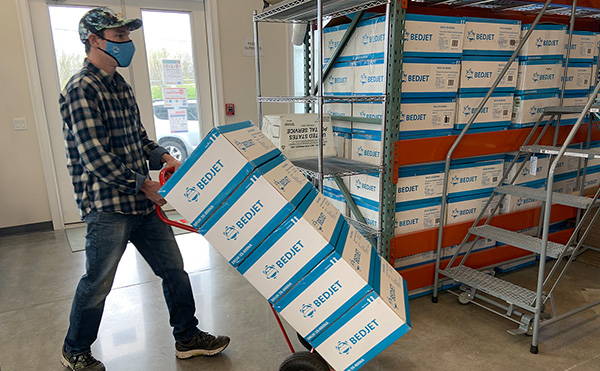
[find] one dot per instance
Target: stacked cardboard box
(291, 244)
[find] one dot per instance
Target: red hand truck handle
(165, 174)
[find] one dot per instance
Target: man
(107, 151)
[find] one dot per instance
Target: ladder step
(571, 152)
(539, 194)
(558, 110)
(509, 292)
(516, 239)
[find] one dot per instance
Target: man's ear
(95, 40)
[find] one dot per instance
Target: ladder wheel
(304, 361)
(465, 298)
(434, 299)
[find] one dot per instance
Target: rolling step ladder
(529, 304)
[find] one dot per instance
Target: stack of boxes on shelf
(489, 43)
(540, 73)
(291, 244)
(449, 65)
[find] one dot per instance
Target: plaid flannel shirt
(107, 145)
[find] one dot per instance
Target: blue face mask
(122, 52)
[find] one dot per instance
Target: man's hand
(150, 189)
(171, 161)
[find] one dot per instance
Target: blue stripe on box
(550, 58)
(417, 134)
(431, 55)
(537, 91)
(440, 94)
(234, 127)
(507, 89)
(480, 58)
(220, 198)
(545, 27)
(434, 18)
(406, 306)
(243, 187)
(301, 273)
(278, 233)
(499, 124)
(505, 53)
(553, 94)
(338, 313)
(538, 61)
(185, 167)
(344, 319)
(375, 274)
(491, 20)
(389, 340)
(429, 61)
(307, 281)
(268, 228)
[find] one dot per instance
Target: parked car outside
(179, 144)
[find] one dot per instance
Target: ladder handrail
(457, 141)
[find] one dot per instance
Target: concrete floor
(38, 274)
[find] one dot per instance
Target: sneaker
(202, 344)
(81, 362)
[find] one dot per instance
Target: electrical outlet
(19, 123)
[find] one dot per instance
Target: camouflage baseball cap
(99, 19)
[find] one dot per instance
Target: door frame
(40, 119)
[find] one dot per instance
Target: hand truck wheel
(304, 361)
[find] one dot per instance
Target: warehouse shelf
(334, 166)
(327, 99)
(306, 10)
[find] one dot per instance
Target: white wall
(23, 193)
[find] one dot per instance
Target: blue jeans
(106, 239)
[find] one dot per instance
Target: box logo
(468, 110)
(392, 296)
(343, 347)
(231, 233)
(307, 311)
(364, 152)
(534, 110)
(319, 222)
(456, 212)
(332, 44)
(369, 39)
(465, 179)
(369, 115)
(361, 185)
(471, 35)
(271, 272)
(337, 80)
(414, 78)
(191, 194)
(412, 36)
(540, 42)
(284, 259)
(542, 76)
(370, 79)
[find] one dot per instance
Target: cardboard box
(426, 77)
(547, 41)
(578, 78)
(370, 326)
(539, 76)
(369, 77)
(222, 160)
(566, 182)
(566, 164)
(485, 36)
(331, 40)
(584, 46)
(297, 134)
(424, 181)
(594, 161)
(341, 79)
(433, 36)
(528, 108)
(428, 257)
(332, 288)
(294, 248)
(512, 203)
(253, 211)
(466, 208)
(419, 118)
(535, 168)
(368, 40)
(574, 100)
(592, 178)
(497, 111)
(336, 198)
(478, 74)
(366, 148)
